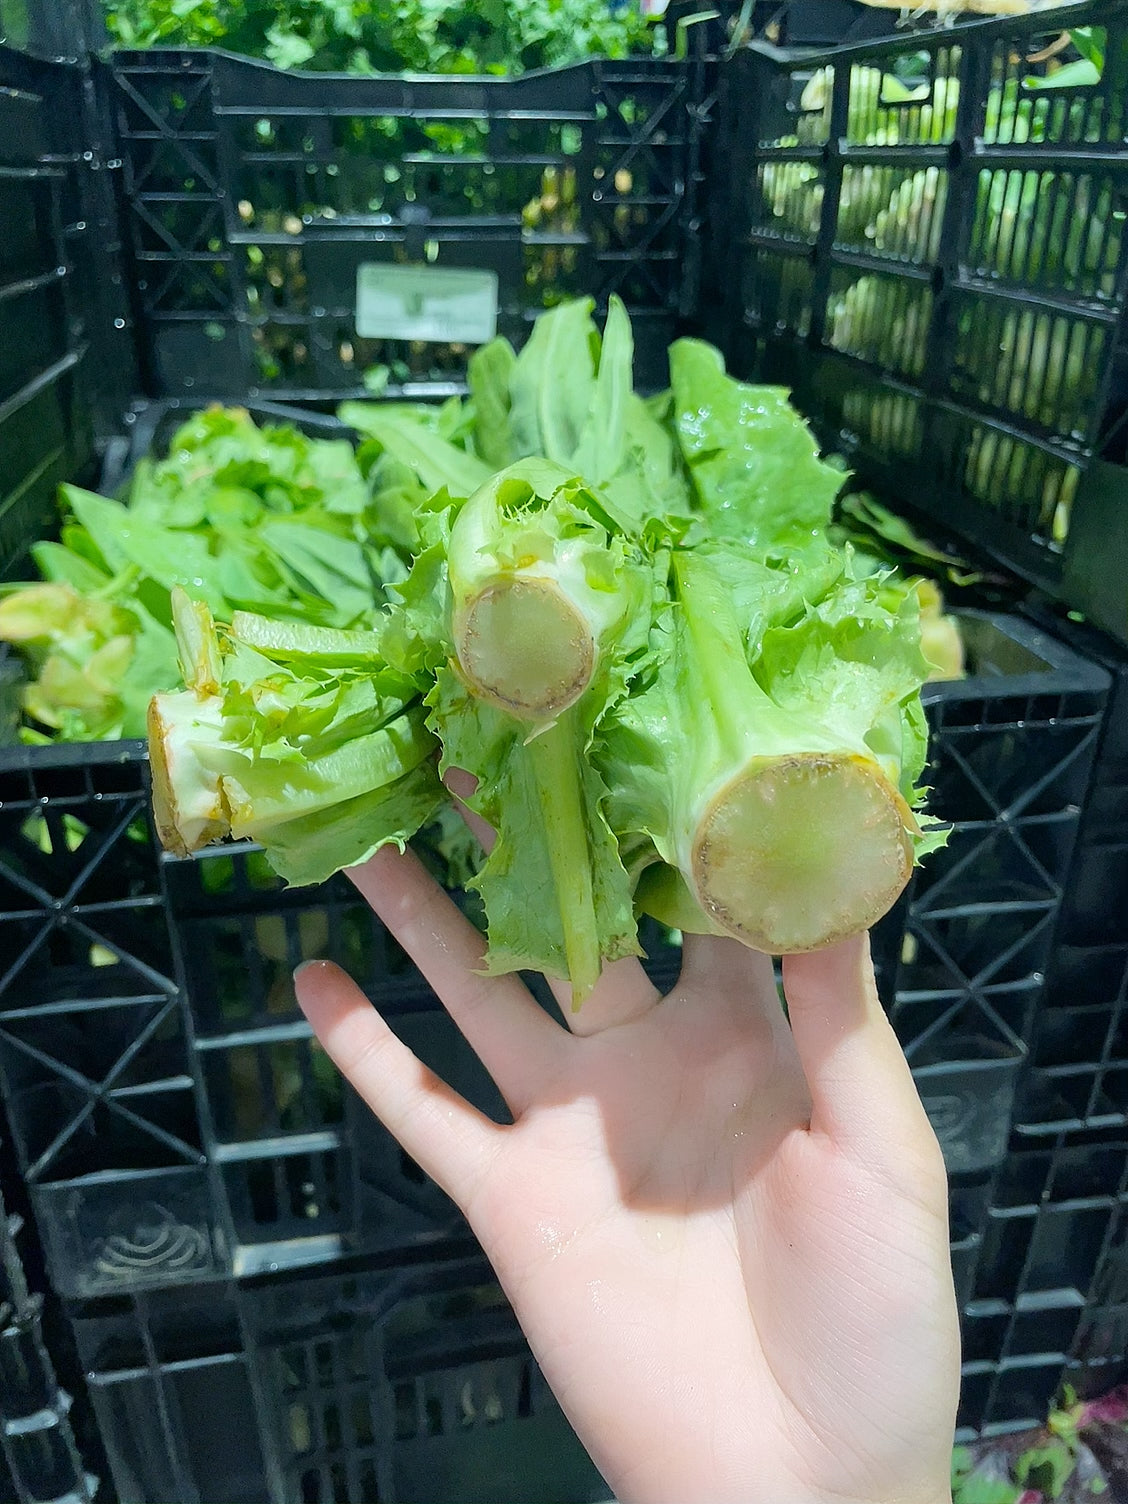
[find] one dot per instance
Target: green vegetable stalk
(524, 617)
(299, 738)
(787, 821)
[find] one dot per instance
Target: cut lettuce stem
(188, 803)
(536, 593)
(554, 754)
(524, 647)
(788, 839)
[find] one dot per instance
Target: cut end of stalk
(801, 852)
(525, 647)
(188, 807)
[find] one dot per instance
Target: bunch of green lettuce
(627, 620)
(245, 518)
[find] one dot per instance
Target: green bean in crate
(255, 198)
(932, 253)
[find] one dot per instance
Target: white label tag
(440, 305)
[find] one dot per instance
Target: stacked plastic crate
(931, 248)
(63, 357)
(40, 1460)
(1073, 1113)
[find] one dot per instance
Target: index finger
(512, 1035)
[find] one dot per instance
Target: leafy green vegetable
(544, 605)
(786, 814)
(421, 36)
(298, 738)
(243, 518)
(755, 469)
(1085, 70)
(676, 694)
(95, 659)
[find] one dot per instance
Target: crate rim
(133, 59)
(26, 758)
(1084, 675)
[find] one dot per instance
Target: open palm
(725, 1237)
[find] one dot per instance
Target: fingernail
(315, 965)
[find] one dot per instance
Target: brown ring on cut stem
(525, 647)
(799, 852)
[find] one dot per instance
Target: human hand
(725, 1238)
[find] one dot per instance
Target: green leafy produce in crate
(246, 518)
(552, 581)
(627, 620)
(391, 36)
(1059, 228)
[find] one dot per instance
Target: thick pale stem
(555, 760)
(720, 667)
(802, 845)
(524, 647)
(798, 852)
(188, 806)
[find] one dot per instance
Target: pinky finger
(451, 1141)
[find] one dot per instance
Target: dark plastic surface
(917, 342)
(40, 1460)
(1058, 1223)
(52, 29)
(405, 1385)
(1049, 1289)
(66, 365)
(1011, 754)
(1080, 1047)
(253, 197)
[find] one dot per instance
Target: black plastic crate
(155, 1144)
(398, 1384)
(929, 249)
(268, 211)
(1047, 1284)
(1080, 1047)
(177, 1131)
(1012, 750)
(1072, 1112)
(67, 366)
(40, 1457)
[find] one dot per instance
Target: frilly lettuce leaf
(754, 463)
